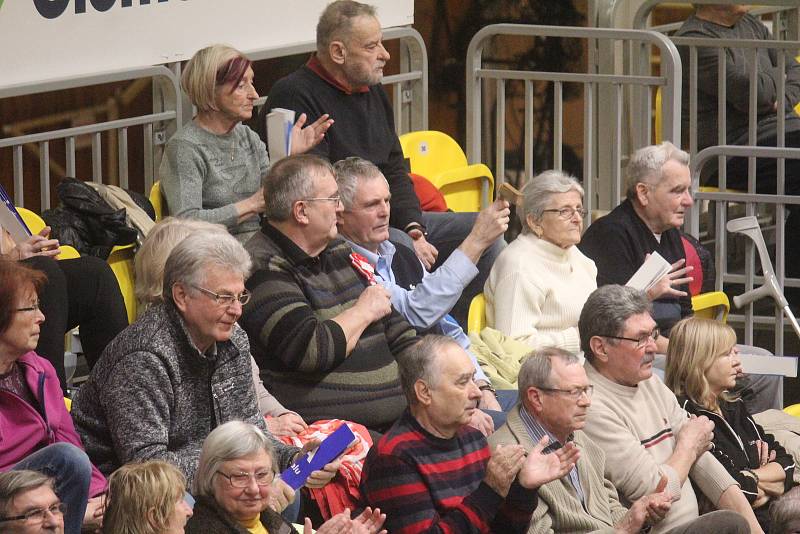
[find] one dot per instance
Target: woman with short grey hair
(540, 281)
(234, 488)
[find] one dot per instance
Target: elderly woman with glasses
(36, 431)
(539, 283)
(235, 484)
(212, 168)
(181, 370)
(702, 366)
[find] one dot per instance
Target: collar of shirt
(316, 67)
(294, 254)
(382, 261)
(537, 431)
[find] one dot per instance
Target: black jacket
(209, 518)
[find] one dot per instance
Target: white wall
(93, 36)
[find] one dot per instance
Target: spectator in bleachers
(180, 370)
(212, 168)
(146, 498)
(36, 431)
(555, 396)
(432, 472)
(539, 283)
(637, 422)
(423, 299)
(785, 513)
(343, 79)
(324, 334)
(149, 268)
(28, 504)
(702, 365)
(234, 489)
(732, 21)
(658, 195)
(78, 292)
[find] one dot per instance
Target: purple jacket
(23, 430)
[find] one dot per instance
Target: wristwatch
(488, 387)
(416, 230)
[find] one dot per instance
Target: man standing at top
(343, 79)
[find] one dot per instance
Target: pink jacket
(23, 430)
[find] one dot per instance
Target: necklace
(233, 148)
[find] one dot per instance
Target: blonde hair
(142, 496)
(152, 256)
(694, 344)
(210, 67)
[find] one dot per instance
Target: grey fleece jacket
(153, 395)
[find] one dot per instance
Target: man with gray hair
(29, 504)
(323, 331)
(658, 195)
(423, 299)
(180, 370)
(555, 396)
(432, 472)
(343, 79)
(637, 422)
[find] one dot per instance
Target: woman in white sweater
(539, 283)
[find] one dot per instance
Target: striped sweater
(302, 352)
(427, 484)
(637, 429)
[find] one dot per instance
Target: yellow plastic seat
(157, 200)
(476, 317)
(437, 157)
(35, 225)
(121, 262)
(68, 403)
(711, 305)
(793, 410)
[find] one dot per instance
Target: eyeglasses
(574, 393)
(336, 199)
(641, 341)
(38, 516)
(242, 480)
(32, 307)
(567, 213)
(227, 299)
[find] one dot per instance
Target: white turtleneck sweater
(536, 290)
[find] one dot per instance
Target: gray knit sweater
(153, 395)
(203, 174)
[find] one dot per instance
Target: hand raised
(541, 468)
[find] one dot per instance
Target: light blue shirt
(428, 304)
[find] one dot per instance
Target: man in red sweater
(431, 472)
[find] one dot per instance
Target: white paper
(651, 271)
(279, 128)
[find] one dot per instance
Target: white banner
(50, 39)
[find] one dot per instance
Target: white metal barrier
(592, 83)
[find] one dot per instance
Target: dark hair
(15, 277)
(232, 71)
(605, 313)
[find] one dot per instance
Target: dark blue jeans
(72, 471)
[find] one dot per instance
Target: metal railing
(153, 124)
(172, 109)
(751, 200)
(591, 81)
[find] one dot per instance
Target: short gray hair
(229, 441)
(13, 483)
(647, 163)
(605, 313)
(536, 194)
(419, 363)
(349, 172)
(784, 510)
(336, 22)
(189, 260)
(537, 368)
(289, 180)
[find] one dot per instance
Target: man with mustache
(637, 422)
(555, 395)
(343, 79)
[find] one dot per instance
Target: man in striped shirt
(432, 472)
